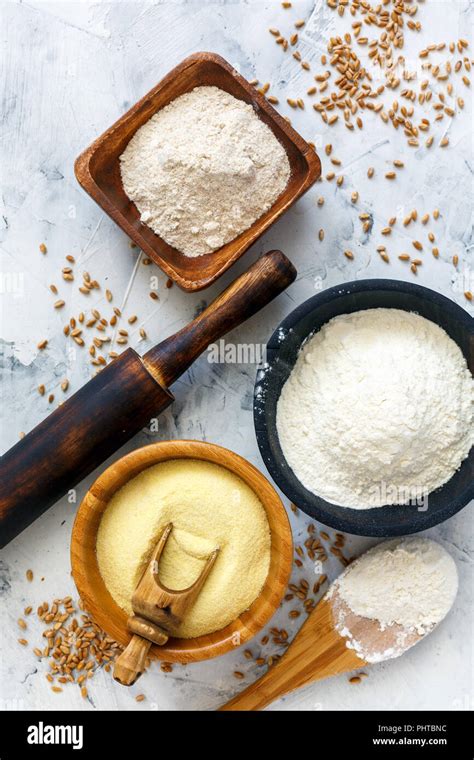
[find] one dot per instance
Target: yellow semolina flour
(209, 507)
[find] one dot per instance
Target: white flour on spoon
(407, 585)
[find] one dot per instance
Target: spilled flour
(377, 410)
(406, 586)
(203, 169)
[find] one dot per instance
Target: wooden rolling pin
(120, 400)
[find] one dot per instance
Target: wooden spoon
(319, 651)
(158, 613)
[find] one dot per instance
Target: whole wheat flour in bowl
(408, 584)
(378, 409)
(203, 169)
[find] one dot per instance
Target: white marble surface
(69, 70)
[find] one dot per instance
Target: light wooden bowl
(91, 587)
(98, 169)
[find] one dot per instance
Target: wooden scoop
(319, 651)
(158, 613)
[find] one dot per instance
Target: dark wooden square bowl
(98, 169)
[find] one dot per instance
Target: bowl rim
(85, 177)
(91, 587)
(315, 506)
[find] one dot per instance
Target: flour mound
(406, 585)
(203, 169)
(209, 507)
(411, 582)
(377, 410)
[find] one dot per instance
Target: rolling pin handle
(113, 406)
(256, 287)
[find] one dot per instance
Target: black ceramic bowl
(282, 350)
